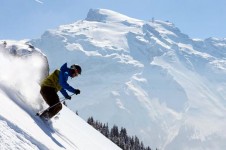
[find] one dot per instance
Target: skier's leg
(50, 96)
(54, 110)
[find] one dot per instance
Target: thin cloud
(39, 1)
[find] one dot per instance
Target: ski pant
(49, 94)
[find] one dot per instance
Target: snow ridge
(104, 15)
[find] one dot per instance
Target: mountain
(22, 67)
(147, 76)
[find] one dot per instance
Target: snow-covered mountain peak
(147, 76)
(105, 15)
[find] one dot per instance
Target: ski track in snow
(10, 133)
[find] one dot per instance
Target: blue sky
(28, 19)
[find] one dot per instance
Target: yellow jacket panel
(52, 80)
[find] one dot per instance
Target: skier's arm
(64, 93)
(63, 76)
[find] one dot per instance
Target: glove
(77, 91)
(68, 97)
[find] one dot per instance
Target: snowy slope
(146, 76)
(20, 100)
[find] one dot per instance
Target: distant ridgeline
(120, 138)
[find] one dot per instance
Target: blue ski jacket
(63, 77)
(58, 80)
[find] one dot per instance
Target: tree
(120, 138)
(90, 121)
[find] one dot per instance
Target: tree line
(118, 136)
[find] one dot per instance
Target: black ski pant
(49, 94)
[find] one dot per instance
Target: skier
(57, 81)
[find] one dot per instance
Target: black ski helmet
(77, 67)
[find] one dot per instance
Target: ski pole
(47, 109)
